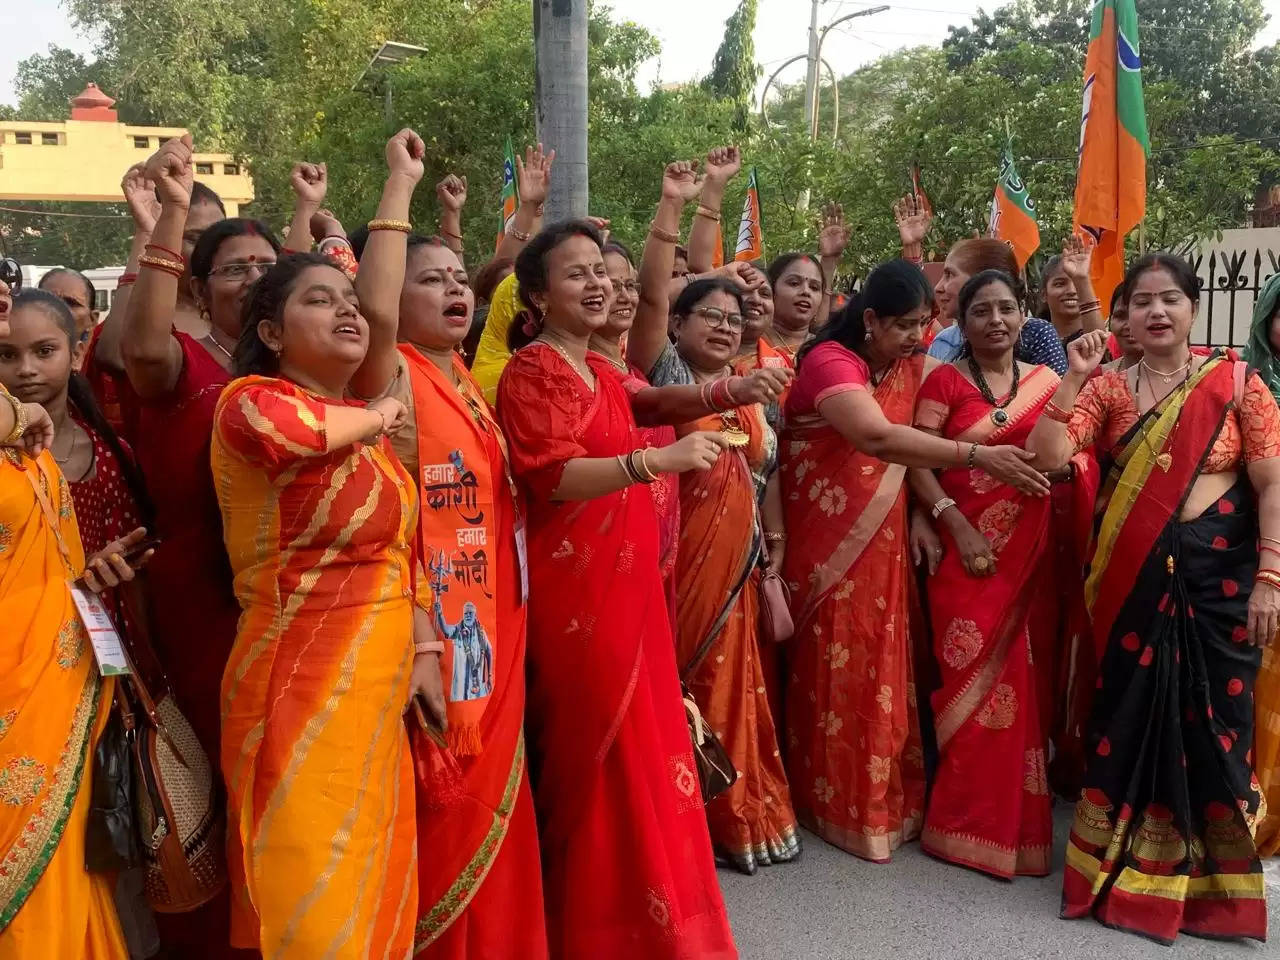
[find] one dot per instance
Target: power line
(1184, 148)
(63, 213)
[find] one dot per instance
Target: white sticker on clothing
(108, 649)
(522, 554)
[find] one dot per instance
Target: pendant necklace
(1165, 460)
(1165, 378)
(214, 340)
(999, 416)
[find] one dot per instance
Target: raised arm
(151, 356)
(722, 165)
(382, 267)
(648, 336)
(310, 182)
(533, 183)
(831, 244)
(140, 196)
(451, 192)
(1049, 439)
(1076, 260)
(913, 226)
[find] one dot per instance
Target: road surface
(833, 906)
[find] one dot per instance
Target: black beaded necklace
(999, 416)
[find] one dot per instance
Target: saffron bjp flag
(750, 239)
(1111, 179)
(509, 197)
(1013, 215)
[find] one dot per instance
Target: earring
(204, 313)
(867, 336)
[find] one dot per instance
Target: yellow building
(85, 157)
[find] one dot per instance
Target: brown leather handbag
(716, 772)
(776, 625)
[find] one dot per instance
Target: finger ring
(981, 563)
(937, 551)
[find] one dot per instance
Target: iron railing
(1229, 285)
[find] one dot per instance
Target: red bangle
(166, 250)
(1055, 412)
(126, 279)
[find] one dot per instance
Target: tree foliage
(284, 80)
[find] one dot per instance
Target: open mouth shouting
(457, 314)
(348, 330)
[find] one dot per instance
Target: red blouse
(105, 508)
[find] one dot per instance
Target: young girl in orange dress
(627, 861)
(335, 634)
(479, 873)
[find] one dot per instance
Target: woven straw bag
(179, 820)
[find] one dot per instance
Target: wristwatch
(941, 505)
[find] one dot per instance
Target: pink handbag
(776, 625)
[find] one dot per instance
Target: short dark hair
(783, 260)
(90, 290)
(1179, 269)
(694, 293)
(531, 271)
(489, 276)
(266, 302)
(614, 246)
(212, 239)
(202, 194)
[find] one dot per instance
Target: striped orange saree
(314, 750)
(717, 643)
(854, 753)
(1266, 748)
(52, 708)
(989, 807)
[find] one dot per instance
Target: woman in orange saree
(479, 873)
(318, 516)
(627, 863)
(989, 806)
(854, 755)
(53, 706)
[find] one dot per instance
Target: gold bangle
(20, 420)
(403, 226)
(775, 537)
(520, 234)
(707, 212)
(450, 234)
(171, 267)
(666, 236)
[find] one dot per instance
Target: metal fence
(1232, 271)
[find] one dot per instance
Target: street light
(389, 54)
(817, 57)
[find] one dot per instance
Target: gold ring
(981, 563)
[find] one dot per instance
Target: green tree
(734, 70)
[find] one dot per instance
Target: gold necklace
(568, 358)
(1167, 378)
(1165, 460)
(214, 340)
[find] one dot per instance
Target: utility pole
(560, 71)
(811, 78)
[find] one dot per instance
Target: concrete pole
(560, 50)
(811, 80)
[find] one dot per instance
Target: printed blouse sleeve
(933, 401)
(1259, 421)
(269, 424)
(540, 412)
(1039, 343)
(1089, 415)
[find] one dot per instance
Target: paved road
(832, 906)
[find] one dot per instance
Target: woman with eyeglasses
(77, 291)
(725, 513)
(178, 379)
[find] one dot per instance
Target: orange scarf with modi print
(459, 536)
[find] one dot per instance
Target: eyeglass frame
(221, 271)
(722, 321)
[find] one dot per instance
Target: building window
(49, 139)
(204, 168)
(231, 169)
(20, 137)
(141, 143)
(101, 301)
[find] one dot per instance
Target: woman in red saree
(479, 874)
(989, 805)
(1182, 598)
(854, 757)
(627, 864)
